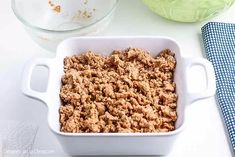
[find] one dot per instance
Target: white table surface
(204, 134)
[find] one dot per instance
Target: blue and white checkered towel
(219, 43)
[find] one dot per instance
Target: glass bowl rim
(26, 23)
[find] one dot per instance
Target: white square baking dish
(116, 143)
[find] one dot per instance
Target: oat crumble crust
(128, 91)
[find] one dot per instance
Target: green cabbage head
(188, 10)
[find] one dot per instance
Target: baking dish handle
(27, 74)
(210, 78)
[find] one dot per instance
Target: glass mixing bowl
(188, 10)
(50, 21)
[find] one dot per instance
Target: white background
(204, 134)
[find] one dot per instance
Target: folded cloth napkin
(16, 138)
(219, 43)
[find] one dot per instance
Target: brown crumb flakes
(128, 91)
(57, 8)
(54, 7)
